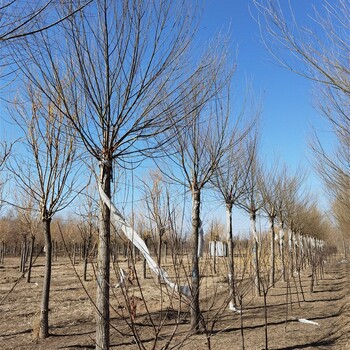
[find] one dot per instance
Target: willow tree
(44, 173)
(319, 51)
(156, 199)
(230, 180)
(194, 155)
(122, 72)
(252, 202)
(269, 185)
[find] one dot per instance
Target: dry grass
(157, 309)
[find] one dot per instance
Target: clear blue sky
(287, 107)
(288, 114)
(287, 111)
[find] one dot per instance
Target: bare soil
(163, 316)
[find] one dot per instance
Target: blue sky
(288, 114)
(286, 99)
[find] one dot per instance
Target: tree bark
(44, 315)
(281, 246)
(231, 265)
(195, 310)
(30, 258)
(103, 264)
(87, 245)
(255, 252)
(273, 253)
(160, 236)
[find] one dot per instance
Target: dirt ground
(167, 318)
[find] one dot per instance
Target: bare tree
(193, 158)
(45, 173)
(320, 52)
(230, 180)
(269, 186)
(88, 225)
(121, 71)
(29, 222)
(156, 199)
(253, 201)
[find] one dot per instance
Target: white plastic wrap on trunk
(233, 308)
(290, 233)
(138, 242)
(253, 229)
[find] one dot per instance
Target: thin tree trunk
(281, 246)
(195, 310)
(30, 258)
(255, 252)
(22, 266)
(2, 252)
(74, 253)
(160, 252)
(86, 256)
(214, 257)
(44, 315)
(265, 318)
(103, 265)
(241, 321)
(290, 250)
(231, 264)
(272, 254)
(165, 252)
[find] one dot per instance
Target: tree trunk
(74, 253)
(2, 252)
(44, 316)
(265, 319)
(255, 252)
(160, 234)
(195, 310)
(103, 264)
(231, 265)
(30, 258)
(86, 256)
(214, 257)
(272, 254)
(291, 251)
(281, 246)
(22, 267)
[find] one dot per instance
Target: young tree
(88, 227)
(230, 179)
(45, 173)
(320, 52)
(121, 71)
(269, 185)
(29, 222)
(194, 156)
(156, 200)
(253, 201)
